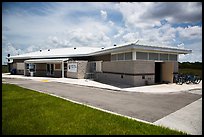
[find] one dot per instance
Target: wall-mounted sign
(72, 67)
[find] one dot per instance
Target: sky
(31, 26)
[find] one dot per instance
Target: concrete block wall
(135, 73)
(118, 66)
(124, 79)
(176, 66)
(147, 66)
(114, 78)
(130, 66)
(140, 81)
(81, 70)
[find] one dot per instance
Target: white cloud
(103, 14)
(111, 22)
(181, 45)
(196, 55)
(194, 32)
(148, 14)
(120, 32)
(77, 24)
(130, 37)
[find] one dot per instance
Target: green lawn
(4, 69)
(29, 112)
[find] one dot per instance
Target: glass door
(50, 69)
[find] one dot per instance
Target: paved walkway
(161, 88)
(188, 119)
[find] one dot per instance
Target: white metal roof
(59, 52)
(57, 60)
(140, 47)
(91, 51)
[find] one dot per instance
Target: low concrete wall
(139, 80)
(114, 78)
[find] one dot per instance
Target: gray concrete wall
(130, 80)
(82, 69)
(135, 73)
(176, 66)
(130, 66)
(114, 78)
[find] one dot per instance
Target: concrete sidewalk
(161, 88)
(188, 119)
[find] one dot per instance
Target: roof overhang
(58, 60)
(143, 48)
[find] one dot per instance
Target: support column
(25, 68)
(62, 69)
(133, 55)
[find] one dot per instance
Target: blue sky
(28, 27)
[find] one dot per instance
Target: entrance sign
(72, 67)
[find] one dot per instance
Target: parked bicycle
(193, 79)
(186, 78)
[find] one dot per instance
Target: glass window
(163, 56)
(113, 57)
(57, 66)
(153, 56)
(121, 56)
(141, 55)
(172, 57)
(128, 56)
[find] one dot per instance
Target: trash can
(31, 74)
(13, 71)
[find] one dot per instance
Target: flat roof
(93, 51)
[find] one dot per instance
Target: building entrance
(50, 69)
(158, 72)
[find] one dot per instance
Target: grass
(191, 71)
(29, 112)
(4, 69)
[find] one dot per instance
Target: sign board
(72, 67)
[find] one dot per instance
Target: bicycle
(193, 79)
